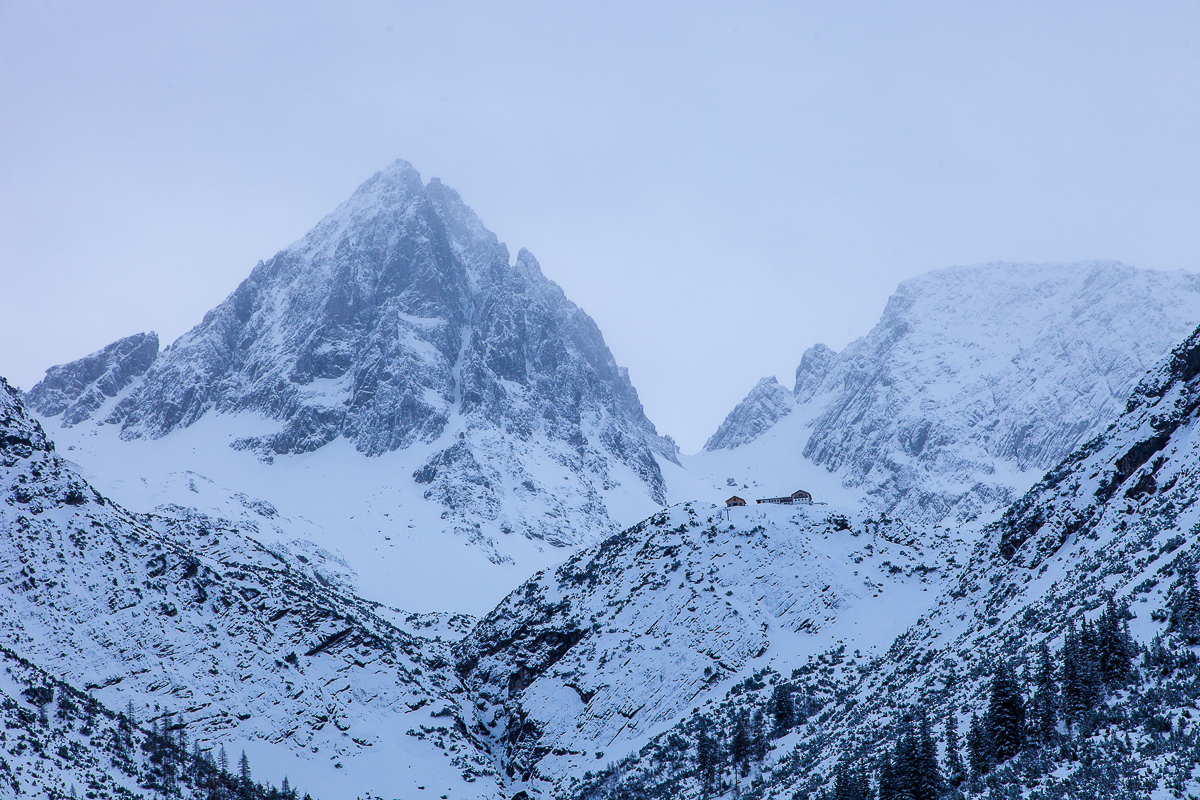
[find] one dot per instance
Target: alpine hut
(798, 496)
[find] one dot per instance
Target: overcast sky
(719, 186)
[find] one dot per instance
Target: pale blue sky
(719, 186)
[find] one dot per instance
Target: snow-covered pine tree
(1005, 719)
(1043, 706)
(980, 751)
(956, 772)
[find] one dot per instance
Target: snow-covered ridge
(767, 403)
(247, 643)
(77, 390)
(621, 641)
(978, 379)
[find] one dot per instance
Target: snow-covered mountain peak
(399, 325)
(977, 379)
(812, 371)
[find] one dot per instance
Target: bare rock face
(401, 321)
(1132, 478)
(77, 390)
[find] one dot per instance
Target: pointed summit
(766, 404)
(398, 324)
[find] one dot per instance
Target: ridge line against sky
(718, 188)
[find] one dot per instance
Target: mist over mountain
(974, 381)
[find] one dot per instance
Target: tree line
(1060, 699)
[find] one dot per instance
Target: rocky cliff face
(77, 390)
(767, 403)
(978, 379)
(401, 323)
(1139, 476)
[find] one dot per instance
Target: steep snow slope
(588, 661)
(391, 374)
(974, 382)
(1117, 519)
(250, 645)
(60, 742)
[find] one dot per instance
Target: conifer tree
(783, 709)
(245, 783)
(740, 744)
(850, 783)
(980, 750)
(956, 772)
(1089, 649)
(758, 737)
(1116, 647)
(906, 763)
(1082, 683)
(1044, 704)
(927, 781)
(151, 743)
(707, 753)
(1005, 720)
(887, 778)
(1185, 606)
